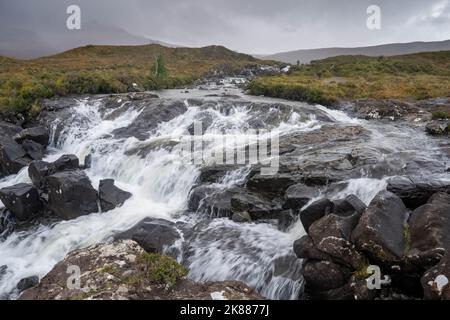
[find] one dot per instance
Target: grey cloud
(254, 26)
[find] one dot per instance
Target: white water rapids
(160, 183)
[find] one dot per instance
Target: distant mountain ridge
(394, 49)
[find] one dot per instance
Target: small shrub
(162, 269)
(440, 115)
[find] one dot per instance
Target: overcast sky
(252, 26)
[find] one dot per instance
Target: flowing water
(161, 179)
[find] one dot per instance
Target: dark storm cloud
(256, 26)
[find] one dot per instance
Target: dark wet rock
(380, 231)
(348, 206)
(153, 235)
(304, 248)
(257, 206)
(322, 276)
(218, 202)
(298, 195)
(33, 149)
(331, 235)
(315, 211)
(70, 194)
(27, 283)
(12, 156)
(436, 281)
(111, 196)
(22, 200)
(37, 171)
(37, 134)
(415, 191)
(272, 185)
(65, 162)
(154, 113)
(7, 223)
(40, 170)
(333, 226)
(122, 271)
(211, 200)
(437, 128)
(429, 228)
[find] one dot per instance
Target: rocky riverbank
(124, 271)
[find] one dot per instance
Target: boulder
(349, 206)
(436, 281)
(70, 194)
(322, 276)
(429, 228)
(123, 271)
(33, 149)
(37, 134)
(27, 283)
(12, 156)
(298, 195)
(65, 162)
(111, 196)
(380, 231)
(315, 211)
(22, 200)
(153, 235)
(38, 171)
(331, 235)
(415, 191)
(304, 248)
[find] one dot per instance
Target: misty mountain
(23, 44)
(26, 44)
(306, 56)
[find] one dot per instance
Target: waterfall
(160, 179)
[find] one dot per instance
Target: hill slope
(108, 69)
(410, 77)
(306, 56)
